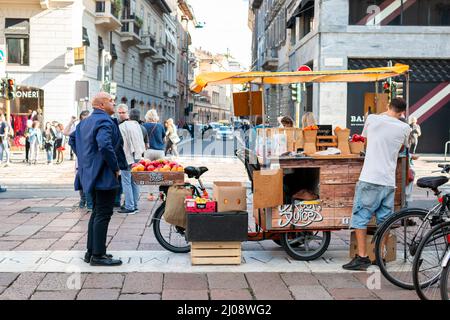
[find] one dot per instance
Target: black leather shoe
(88, 256)
(105, 261)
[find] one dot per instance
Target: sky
(225, 27)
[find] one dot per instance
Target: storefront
(28, 104)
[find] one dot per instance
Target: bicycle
(430, 262)
(445, 275)
(171, 237)
(409, 226)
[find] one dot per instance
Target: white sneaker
(132, 213)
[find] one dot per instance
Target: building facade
(62, 52)
(355, 34)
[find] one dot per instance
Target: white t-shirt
(385, 137)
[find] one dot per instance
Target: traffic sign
(304, 68)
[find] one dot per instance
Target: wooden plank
(216, 245)
(336, 157)
(215, 261)
(216, 252)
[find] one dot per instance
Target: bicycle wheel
(305, 245)
(408, 227)
(169, 236)
(445, 283)
(427, 267)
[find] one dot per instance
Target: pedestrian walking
(35, 138)
(286, 122)
(59, 144)
(5, 131)
(49, 138)
(156, 135)
(69, 128)
(134, 148)
(172, 138)
(375, 190)
(135, 115)
(308, 120)
(26, 134)
(98, 170)
(416, 132)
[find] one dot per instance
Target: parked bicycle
(409, 226)
(171, 237)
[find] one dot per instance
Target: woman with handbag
(172, 138)
(49, 142)
(61, 142)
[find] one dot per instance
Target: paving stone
(23, 287)
(55, 295)
(193, 281)
(62, 245)
(8, 245)
(103, 281)
(174, 294)
(221, 280)
(310, 292)
(396, 294)
(72, 236)
(63, 223)
(61, 282)
(48, 235)
(98, 294)
(2, 288)
(152, 296)
(268, 286)
(7, 278)
(34, 244)
(336, 281)
(299, 279)
(231, 294)
(352, 294)
(143, 283)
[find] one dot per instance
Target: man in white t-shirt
(375, 190)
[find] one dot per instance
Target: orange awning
(365, 75)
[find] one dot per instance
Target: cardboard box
(391, 253)
(230, 196)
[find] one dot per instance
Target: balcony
(107, 15)
(159, 58)
(147, 47)
(130, 31)
(270, 60)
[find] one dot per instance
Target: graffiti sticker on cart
(300, 214)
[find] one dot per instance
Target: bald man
(94, 142)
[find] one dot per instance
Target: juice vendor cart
(303, 227)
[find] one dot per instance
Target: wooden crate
(158, 178)
(215, 253)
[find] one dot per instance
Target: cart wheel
(305, 245)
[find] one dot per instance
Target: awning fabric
(365, 75)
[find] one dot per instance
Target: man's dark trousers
(103, 201)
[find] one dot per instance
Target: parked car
(224, 133)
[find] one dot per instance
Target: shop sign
(300, 214)
(357, 120)
(25, 94)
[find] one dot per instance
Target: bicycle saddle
(195, 172)
(432, 182)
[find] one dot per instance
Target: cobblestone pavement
(195, 286)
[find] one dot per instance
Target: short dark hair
(398, 105)
(286, 120)
(135, 115)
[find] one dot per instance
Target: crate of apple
(159, 172)
(157, 166)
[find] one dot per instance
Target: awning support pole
(263, 121)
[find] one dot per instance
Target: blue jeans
(130, 190)
(371, 199)
(49, 155)
(4, 147)
(86, 198)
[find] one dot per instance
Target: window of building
(405, 13)
(306, 21)
(17, 34)
(123, 73)
(215, 98)
(132, 77)
(80, 56)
